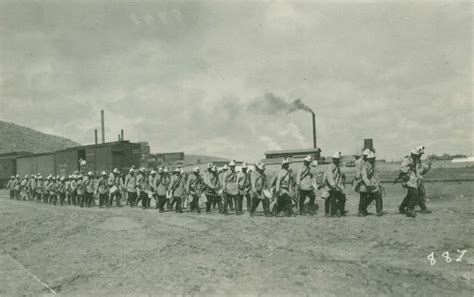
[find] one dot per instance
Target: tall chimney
(314, 130)
(118, 135)
(96, 137)
(121, 135)
(103, 125)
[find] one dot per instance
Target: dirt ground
(134, 252)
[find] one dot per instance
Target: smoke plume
(270, 104)
(299, 105)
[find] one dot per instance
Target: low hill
(17, 138)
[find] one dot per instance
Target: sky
(218, 78)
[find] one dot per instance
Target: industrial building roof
(293, 151)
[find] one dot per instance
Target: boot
(425, 211)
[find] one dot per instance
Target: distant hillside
(17, 138)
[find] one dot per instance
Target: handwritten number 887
(446, 256)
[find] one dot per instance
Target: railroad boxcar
(99, 157)
(43, 164)
(8, 166)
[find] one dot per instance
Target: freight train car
(43, 164)
(67, 161)
(8, 166)
(99, 157)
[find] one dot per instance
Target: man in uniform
(230, 187)
(115, 181)
(245, 186)
(72, 189)
(258, 181)
(177, 188)
(413, 170)
(39, 188)
(283, 189)
(211, 180)
(80, 190)
(161, 188)
(45, 187)
(31, 187)
(101, 190)
(53, 190)
(333, 181)
(131, 187)
(23, 188)
(152, 181)
(194, 188)
(62, 190)
(141, 187)
(305, 188)
(89, 185)
(359, 164)
(370, 186)
(10, 187)
(225, 169)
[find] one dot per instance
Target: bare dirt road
(135, 252)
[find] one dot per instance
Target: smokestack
(103, 125)
(118, 135)
(96, 136)
(314, 130)
(121, 135)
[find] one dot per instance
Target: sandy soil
(135, 252)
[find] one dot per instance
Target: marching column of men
(284, 195)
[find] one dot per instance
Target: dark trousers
(337, 202)
(161, 202)
(211, 200)
(248, 199)
(12, 194)
(68, 198)
(103, 199)
(283, 204)
(45, 198)
(177, 200)
(143, 197)
(362, 202)
(374, 197)
(231, 204)
(303, 194)
(53, 198)
(80, 199)
(238, 201)
(73, 198)
(227, 201)
(421, 201)
(62, 198)
(195, 203)
(415, 197)
(89, 197)
(118, 198)
(265, 204)
(132, 197)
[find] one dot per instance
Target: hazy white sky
(210, 77)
